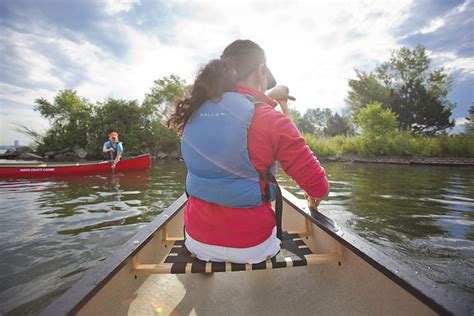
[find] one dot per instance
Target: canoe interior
(318, 289)
(358, 285)
(364, 282)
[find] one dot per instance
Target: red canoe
(29, 170)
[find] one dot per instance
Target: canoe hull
(327, 289)
(361, 283)
(138, 163)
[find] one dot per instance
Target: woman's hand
(281, 95)
(314, 203)
(114, 163)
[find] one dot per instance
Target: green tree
(305, 126)
(158, 104)
(163, 94)
(379, 127)
(321, 122)
(377, 122)
(75, 121)
(303, 122)
(162, 138)
(364, 90)
(70, 118)
(469, 126)
(314, 121)
(138, 129)
(125, 117)
(295, 115)
(409, 87)
(338, 125)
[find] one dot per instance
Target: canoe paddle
(313, 203)
(112, 161)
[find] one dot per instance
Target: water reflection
(422, 216)
(411, 201)
(54, 229)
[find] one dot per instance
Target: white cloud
(461, 121)
(313, 47)
(11, 117)
(433, 26)
(115, 6)
(462, 7)
(23, 95)
(453, 63)
(147, 60)
(40, 66)
(459, 125)
(440, 21)
(106, 75)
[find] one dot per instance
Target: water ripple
(55, 229)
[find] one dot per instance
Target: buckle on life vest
(266, 198)
(267, 178)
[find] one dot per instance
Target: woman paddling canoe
(335, 273)
(232, 137)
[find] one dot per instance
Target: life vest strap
(268, 178)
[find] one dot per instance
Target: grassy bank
(397, 144)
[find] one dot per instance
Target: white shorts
(256, 254)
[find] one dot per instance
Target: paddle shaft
(112, 160)
(284, 107)
(314, 203)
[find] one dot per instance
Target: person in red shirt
(218, 232)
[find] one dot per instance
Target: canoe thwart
(293, 253)
(303, 233)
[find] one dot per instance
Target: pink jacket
(272, 136)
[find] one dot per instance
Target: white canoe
(339, 275)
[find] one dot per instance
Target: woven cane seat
(293, 252)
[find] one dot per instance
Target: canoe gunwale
(405, 277)
(63, 164)
(437, 298)
(44, 170)
(92, 281)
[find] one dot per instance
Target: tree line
(400, 108)
(406, 85)
(75, 121)
(397, 109)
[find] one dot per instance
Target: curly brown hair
(217, 77)
(237, 62)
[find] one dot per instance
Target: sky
(106, 48)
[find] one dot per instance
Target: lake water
(52, 230)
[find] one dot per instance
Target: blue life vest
(214, 148)
(117, 146)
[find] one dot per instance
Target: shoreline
(431, 161)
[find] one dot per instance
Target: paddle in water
(112, 161)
